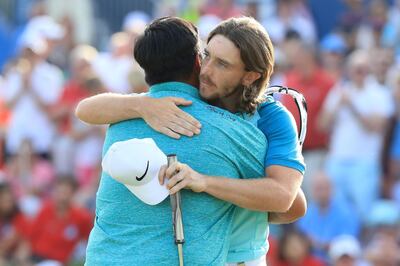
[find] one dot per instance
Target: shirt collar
(176, 87)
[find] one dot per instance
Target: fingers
(180, 101)
(176, 179)
(181, 185)
(169, 132)
(178, 128)
(161, 174)
(172, 169)
(189, 122)
(183, 115)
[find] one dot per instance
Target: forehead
(221, 47)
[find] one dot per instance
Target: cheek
(229, 83)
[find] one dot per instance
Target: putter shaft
(176, 210)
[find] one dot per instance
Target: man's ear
(250, 77)
(197, 63)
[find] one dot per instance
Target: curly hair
(256, 52)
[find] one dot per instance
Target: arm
(374, 123)
(341, 99)
(15, 86)
(275, 193)
(120, 107)
(296, 211)
(330, 109)
(162, 115)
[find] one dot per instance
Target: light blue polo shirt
(250, 228)
(129, 232)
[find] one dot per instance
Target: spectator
(295, 250)
(326, 216)
(333, 50)
(14, 229)
(31, 87)
(291, 15)
(113, 68)
(370, 31)
(32, 178)
(345, 250)
(314, 83)
(223, 9)
(81, 60)
(383, 250)
(60, 225)
(381, 61)
(391, 154)
(357, 129)
(78, 151)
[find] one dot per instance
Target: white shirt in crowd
(114, 72)
(349, 139)
(28, 120)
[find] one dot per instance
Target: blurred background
(343, 55)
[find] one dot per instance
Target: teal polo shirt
(129, 232)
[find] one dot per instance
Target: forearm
(296, 211)
(372, 123)
(12, 102)
(325, 120)
(261, 194)
(108, 108)
(42, 105)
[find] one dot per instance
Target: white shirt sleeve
(384, 102)
(11, 86)
(48, 83)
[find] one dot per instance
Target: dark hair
(167, 50)
(68, 181)
(256, 52)
(284, 240)
(7, 217)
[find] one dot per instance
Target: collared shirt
(128, 232)
(249, 239)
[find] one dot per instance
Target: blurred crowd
(344, 56)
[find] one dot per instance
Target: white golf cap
(34, 42)
(344, 245)
(47, 27)
(136, 163)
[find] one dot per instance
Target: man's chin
(207, 96)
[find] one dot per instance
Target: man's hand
(181, 176)
(164, 116)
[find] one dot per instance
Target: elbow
(283, 203)
(80, 111)
(299, 212)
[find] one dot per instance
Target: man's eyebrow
(223, 61)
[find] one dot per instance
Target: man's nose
(206, 68)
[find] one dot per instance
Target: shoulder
(274, 116)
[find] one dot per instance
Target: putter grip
(176, 209)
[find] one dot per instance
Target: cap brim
(151, 193)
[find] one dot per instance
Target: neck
(227, 105)
(193, 80)
(230, 102)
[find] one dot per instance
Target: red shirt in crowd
(315, 90)
(72, 94)
(55, 237)
(308, 261)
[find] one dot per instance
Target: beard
(231, 97)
